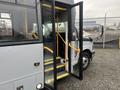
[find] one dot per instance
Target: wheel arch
(87, 51)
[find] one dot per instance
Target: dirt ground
(103, 73)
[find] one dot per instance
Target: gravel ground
(103, 73)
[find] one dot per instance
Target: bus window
(18, 23)
(5, 25)
(26, 2)
(13, 1)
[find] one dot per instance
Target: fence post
(104, 30)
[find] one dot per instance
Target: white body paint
(17, 67)
(87, 45)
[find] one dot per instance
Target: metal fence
(110, 34)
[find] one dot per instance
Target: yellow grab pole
(57, 44)
(61, 38)
(57, 39)
(65, 57)
(65, 52)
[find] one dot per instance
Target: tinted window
(26, 2)
(18, 23)
(5, 25)
(13, 1)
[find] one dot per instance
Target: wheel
(86, 60)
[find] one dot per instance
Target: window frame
(24, 42)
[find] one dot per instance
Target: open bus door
(56, 65)
(76, 40)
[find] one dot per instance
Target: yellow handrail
(34, 35)
(48, 49)
(76, 49)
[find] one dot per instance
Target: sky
(98, 8)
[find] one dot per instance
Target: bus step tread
(50, 67)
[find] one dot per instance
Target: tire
(86, 60)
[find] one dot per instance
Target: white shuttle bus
(39, 44)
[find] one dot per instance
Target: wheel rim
(85, 62)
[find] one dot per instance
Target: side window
(18, 23)
(13, 1)
(5, 25)
(26, 2)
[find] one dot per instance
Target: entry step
(50, 67)
(50, 61)
(60, 75)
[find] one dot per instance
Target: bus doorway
(35, 49)
(58, 36)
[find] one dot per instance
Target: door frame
(80, 4)
(52, 12)
(80, 62)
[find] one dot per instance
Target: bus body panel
(17, 65)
